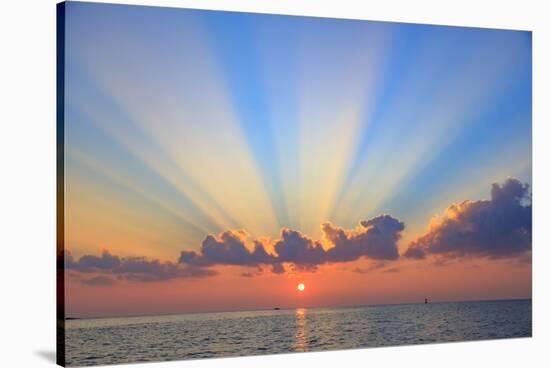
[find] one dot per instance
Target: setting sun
(301, 287)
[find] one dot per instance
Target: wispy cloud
(98, 281)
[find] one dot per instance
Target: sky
(214, 160)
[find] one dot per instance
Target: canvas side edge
(60, 183)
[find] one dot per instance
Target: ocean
(208, 335)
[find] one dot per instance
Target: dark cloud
(142, 269)
(415, 251)
(277, 268)
(375, 239)
(495, 228)
(227, 249)
(129, 268)
(296, 248)
(91, 263)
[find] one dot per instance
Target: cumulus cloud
(229, 248)
(375, 239)
(109, 266)
(91, 263)
(495, 228)
(294, 247)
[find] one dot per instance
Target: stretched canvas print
(234, 184)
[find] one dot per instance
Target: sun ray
(332, 104)
(436, 126)
(207, 157)
(101, 169)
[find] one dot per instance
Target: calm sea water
(192, 336)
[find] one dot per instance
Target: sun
(301, 287)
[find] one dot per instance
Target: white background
(27, 180)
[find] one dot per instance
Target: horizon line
(291, 308)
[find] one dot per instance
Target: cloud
(378, 265)
(303, 252)
(277, 268)
(375, 239)
(142, 269)
(495, 229)
(415, 251)
(98, 281)
(91, 263)
(229, 248)
(129, 268)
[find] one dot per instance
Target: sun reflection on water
(300, 343)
